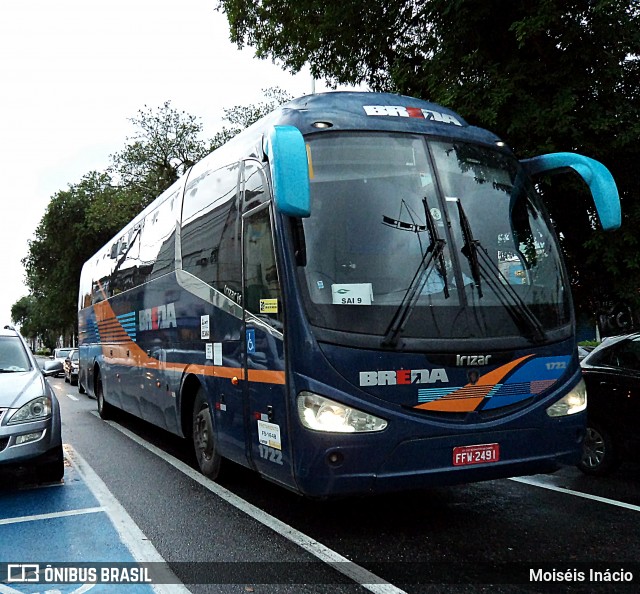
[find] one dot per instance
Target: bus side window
(262, 294)
(211, 230)
(255, 187)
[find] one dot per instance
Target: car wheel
(599, 456)
(73, 382)
(203, 435)
(105, 410)
(53, 470)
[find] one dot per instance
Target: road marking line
(539, 483)
(73, 397)
(133, 538)
(62, 514)
(358, 574)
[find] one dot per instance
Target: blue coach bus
(360, 293)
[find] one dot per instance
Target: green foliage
(165, 145)
(546, 76)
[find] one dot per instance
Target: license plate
(476, 454)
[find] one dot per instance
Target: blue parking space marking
(72, 495)
(67, 523)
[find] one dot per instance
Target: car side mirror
(51, 368)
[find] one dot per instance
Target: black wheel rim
(594, 449)
(203, 434)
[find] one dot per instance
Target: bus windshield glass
(418, 238)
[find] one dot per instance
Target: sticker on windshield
(268, 306)
(352, 294)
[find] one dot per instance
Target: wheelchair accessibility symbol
(251, 341)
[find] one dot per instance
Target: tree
(546, 76)
(164, 146)
(76, 223)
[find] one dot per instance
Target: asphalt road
(244, 534)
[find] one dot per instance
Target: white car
(60, 355)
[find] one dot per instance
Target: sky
(72, 73)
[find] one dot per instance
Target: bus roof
(362, 111)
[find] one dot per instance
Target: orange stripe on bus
(135, 356)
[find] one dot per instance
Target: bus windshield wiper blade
(481, 264)
(433, 254)
(518, 309)
(470, 248)
(433, 232)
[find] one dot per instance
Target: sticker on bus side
(205, 329)
(269, 435)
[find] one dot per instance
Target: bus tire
(203, 436)
(105, 410)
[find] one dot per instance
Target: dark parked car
(71, 368)
(612, 374)
(30, 428)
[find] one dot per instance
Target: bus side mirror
(287, 153)
(596, 176)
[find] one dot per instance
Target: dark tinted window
(262, 287)
(626, 355)
(211, 230)
(157, 240)
(256, 190)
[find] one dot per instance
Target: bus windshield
(424, 238)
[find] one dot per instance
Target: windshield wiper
(481, 264)
(433, 254)
(433, 232)
(471, 246)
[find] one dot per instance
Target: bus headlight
(574, 402)
(322, 414)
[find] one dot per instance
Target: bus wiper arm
(470, 248)
(481, 264)
(410, 298)
(435, 238)
(518, 309)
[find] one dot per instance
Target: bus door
(265, 390)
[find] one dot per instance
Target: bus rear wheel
(105, 410)
(204, 441)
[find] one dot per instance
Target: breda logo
(402, 376)
(411, 112)
(154, 318)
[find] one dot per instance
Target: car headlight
(322, 414)
(36, 410)
(572, 403)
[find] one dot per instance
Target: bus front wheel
(204, 442)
